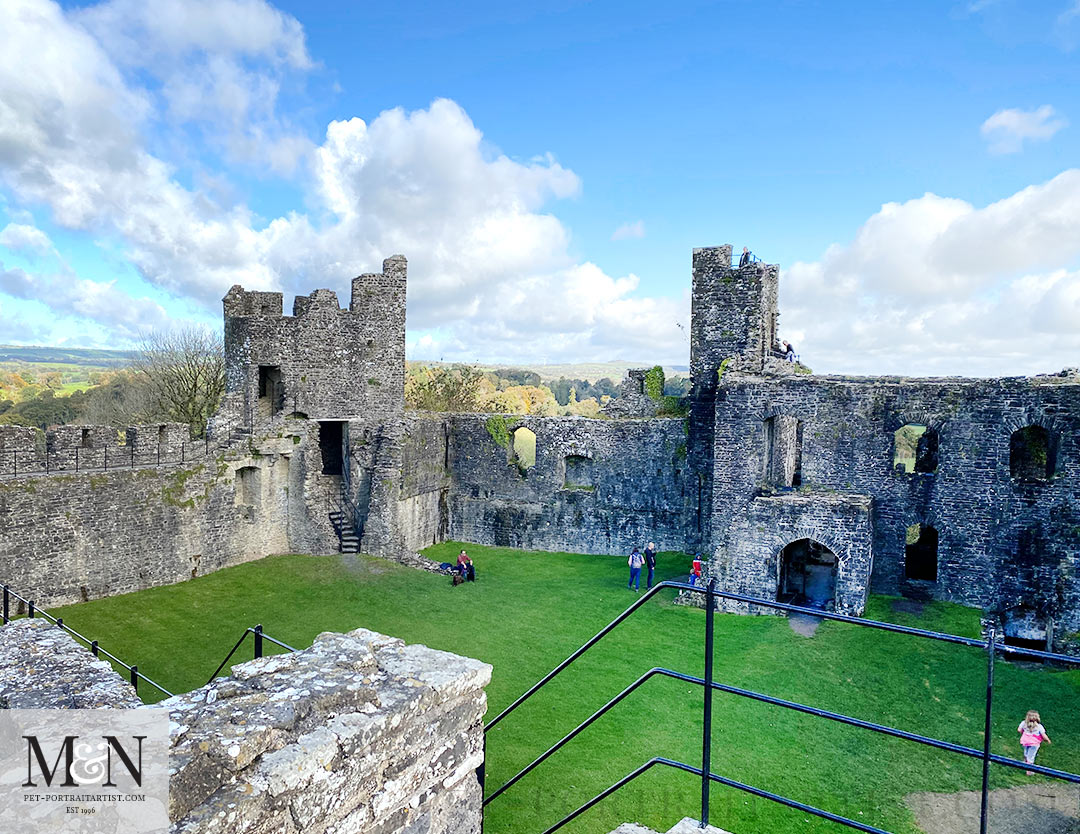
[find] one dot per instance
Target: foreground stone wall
(360, 732)
(44, 667)
(597, 486)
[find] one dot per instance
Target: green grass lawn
(530, 610)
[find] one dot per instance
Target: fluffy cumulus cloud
(1007, 130)
(489, 267)
(25, 239)
(936, 285)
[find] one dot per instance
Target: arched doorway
(807, 575)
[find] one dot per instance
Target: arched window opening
(1032, 454)
(807, 575)
(921, 553)
(524, 448)
(915, 449)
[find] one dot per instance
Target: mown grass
(530, 610)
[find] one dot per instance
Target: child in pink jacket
(1032, 734)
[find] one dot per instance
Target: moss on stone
(654, 383)
(499, 430)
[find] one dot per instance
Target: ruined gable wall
(980, 512)
(628, 483)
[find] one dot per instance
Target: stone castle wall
(359, 732)
(72, 536)
(1003, 541)
(597, 486)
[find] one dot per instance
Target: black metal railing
(258, 635)
(990, 645)
(32, 611)
(736, 259)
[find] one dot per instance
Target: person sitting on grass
(465, 565)
(1032, 734)
(695, 571)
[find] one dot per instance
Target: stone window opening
(1025, 629)
(85, 441)
(1033, 454)
(332, 446)
(807, 575)
(247, 486)
(915, 449)
(524, 448)
(271, 390)
(579, 473)
(921, 553)
(783, 459)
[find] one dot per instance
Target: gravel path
(1045, 808)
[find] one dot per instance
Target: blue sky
(547, 169)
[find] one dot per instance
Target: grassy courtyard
(529, 610)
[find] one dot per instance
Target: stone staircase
(349, 543)
(689, 825)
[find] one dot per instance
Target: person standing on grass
(1032, 734)
(650, 562)
(635, 562)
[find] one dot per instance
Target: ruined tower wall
(1002, 541)
(597, 486)
(424, 494)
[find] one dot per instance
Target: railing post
(706, 717)
(93, 648)
(984, 813)
(135, 678)
(258, 641)
(60, 622)
(7, 605)
(30, 609)
(106, 466)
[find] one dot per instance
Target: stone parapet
(44, 667)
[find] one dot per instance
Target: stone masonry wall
(44, 667)
(424, 509)
(68, 537)
(359, 732)
(1003, 542)
(598, 486)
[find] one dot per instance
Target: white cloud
(25, 239)
(489, 266)
(629, 230)
(1007, 130)
(935, 285)
(101, 302)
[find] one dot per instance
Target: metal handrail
(708, 776)
(990, 645)
(134, 675)
(259, 636)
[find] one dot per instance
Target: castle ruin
(790, 484)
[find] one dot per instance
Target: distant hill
(66, 356)
(588, 371)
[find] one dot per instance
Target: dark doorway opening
(807, 575)
(920, 553)
(332, 446)
(271, 390)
